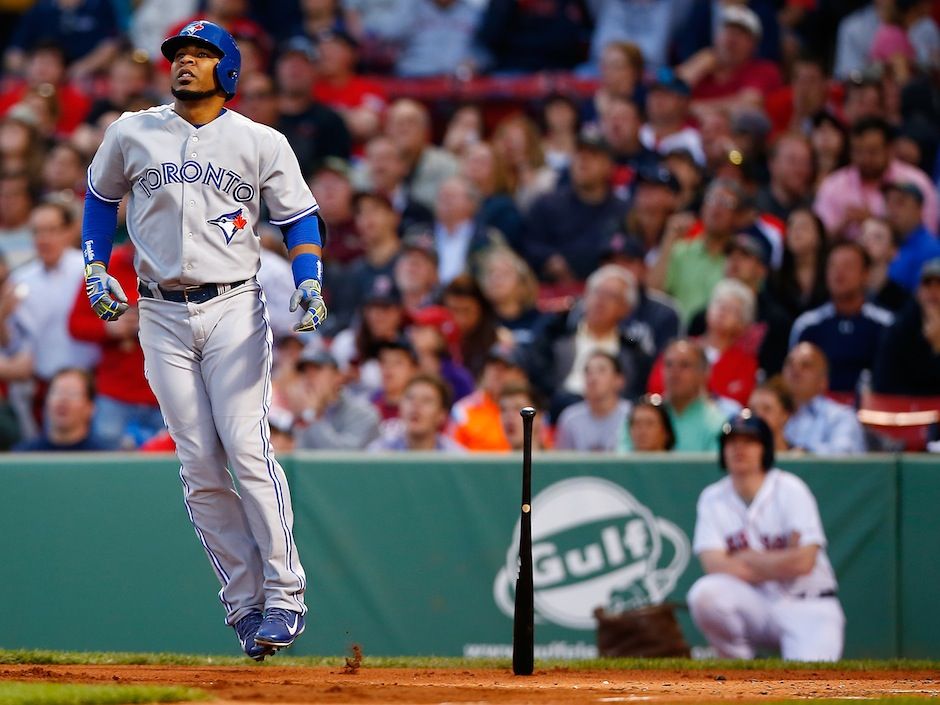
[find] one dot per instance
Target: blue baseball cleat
(279, 628)
(246, 628)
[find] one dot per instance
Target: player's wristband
(306, 266)
(99, 221)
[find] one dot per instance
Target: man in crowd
(791, 177)
(847, 329)
(595, 424)
(819, 425)
(512, 400)
(333, 418)
(904, 202)
(457, 238)
(424, 406)
(70, 406)
(667, 125)
(398, 363)
(620, 124)
(416, 274)
(849, 195)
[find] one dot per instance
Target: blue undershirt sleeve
(98, 225)
(305, 231)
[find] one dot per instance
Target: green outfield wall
(415, 555)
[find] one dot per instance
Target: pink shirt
(844, 189)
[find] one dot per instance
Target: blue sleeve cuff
(305, 231)
(98, 224)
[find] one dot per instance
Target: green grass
(429, 662)
(13, 693)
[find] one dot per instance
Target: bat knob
(527, 412)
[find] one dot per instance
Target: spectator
(377, 24)
(818, 425)
(597, 326)
(481, 167)
(43, 285)
(333, 418)
(620, 125)
(384, 171)
(654, 320)
(518, 37)
(232, 15)
(688, 269)
(851, 194)
(126, 411)
(729, 74)
(510, 286)
(416, 275)
(475, 320)
(691, 177)
(561, 122)
(792, 108)
(668, 125)
(904, 202)
(847, 329)
(437, 39)
(398, 363)
(908, 359)
(791, 177)
(150, 20)
(424, 412)
(281, 431)
(855, 36)
(864, 97)
(512, 400)
(70, 406)
(749, 263)
(655, 200)
(800, 284)
(258, 100)
(334, 194)
(759, 538)
(772, 402)
(595, 424)
(649, 27)
(879, 242)
(518, 145)
(320, 16)
(16, 204)
(475, 420)
(408, 125)
(86, 32)
(434, 336)
(45, 67)
(696, 419)
(63, 171)
(650, 427)
(130, 77)
(313, 130)
(360, 101)
(730, 348)
(588, 206)
(457, 238)
(830, 140)
(377, 224)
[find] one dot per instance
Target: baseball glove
(645, 632)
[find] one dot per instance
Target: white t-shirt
(783, 506)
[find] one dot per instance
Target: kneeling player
(768, 584)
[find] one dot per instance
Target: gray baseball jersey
(196, 192)
(195, 201)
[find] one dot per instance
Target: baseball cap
(591, 138)
(746, 424)
(400, 343)
(751, 244)
(743, 17)
(667, 80)
(930, 270)
(318, 357)
(658, 176)
(623, 245)
(422, 242)
(908, 187)
(383, 292)
(299, 44)
(751, 121)
(337, 165)
(509, 355)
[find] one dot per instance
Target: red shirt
(732, 375)
(759, 74)
(73, 104)
(357, 92)
(120, 373)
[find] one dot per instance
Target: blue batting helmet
(753, 426)
(211, 35)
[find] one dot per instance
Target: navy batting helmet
(211, 35)
(748, 424)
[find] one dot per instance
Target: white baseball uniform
(195, 201)
(800, 617)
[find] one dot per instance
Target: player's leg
(733, 615)
(236, 367)
(173, 370)
(811, 629)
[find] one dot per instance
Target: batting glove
(106, 296)
(307, 296)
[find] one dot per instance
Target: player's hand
(307, 296)
(106, 296)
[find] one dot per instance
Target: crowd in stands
(637, 216)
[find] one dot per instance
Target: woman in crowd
(356, 348)
(518, 144)
(800, 284)
(435, 338)
(830, 140)
(649, 426)
(482, 168)
(772, 402)
(509, 284)
(560, 124)
(464, 130)
(475, 320)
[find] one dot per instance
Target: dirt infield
(298, 685)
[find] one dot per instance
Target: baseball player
(758, 535)
(196, 174)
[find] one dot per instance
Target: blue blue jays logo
(191, 29)
(229, 224)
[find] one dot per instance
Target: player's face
(743, 455)
(193, 69)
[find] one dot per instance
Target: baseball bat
(523, 631)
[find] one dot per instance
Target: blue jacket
(919, 247)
